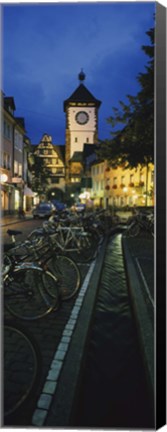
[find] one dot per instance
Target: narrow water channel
(113, 391)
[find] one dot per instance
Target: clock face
(82, 117)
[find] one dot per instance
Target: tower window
(76, 139)
(87, 140)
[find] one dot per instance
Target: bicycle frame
(64, 236)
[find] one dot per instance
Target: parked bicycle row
(43, 271)
(40, 273)
(140, 223)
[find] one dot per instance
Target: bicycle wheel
(27, 294)
(67, 273)
(87, 248)
(35, 237)
(21, 366)
(134, 230)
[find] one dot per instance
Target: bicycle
(79, 244)
(64, 269)
(140, 223)
(21, 367)
(27, 287)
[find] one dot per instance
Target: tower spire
(81, 76)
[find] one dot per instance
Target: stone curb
(63, 405)
(144, 325)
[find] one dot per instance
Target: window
(53, 170)
(16, 168)
(4, 160)
(55, 180)
(76, 139)
(131, 178)
(122, 179)
(87, 140)
(7, 130)
(18, 140)
(75, 179)
(115, 180)
(54, 161)
(141, 177)
(8, 161)
(20, 169)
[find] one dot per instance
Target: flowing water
(113, 391)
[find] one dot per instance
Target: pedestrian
(21, 213)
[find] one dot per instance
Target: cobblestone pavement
(53, 335)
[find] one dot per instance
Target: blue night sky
(44, 47)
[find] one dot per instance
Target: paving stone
(56, 364)
(76, 309)
(67, 332)
(44, 401)
(79, 302)
(50, 387)
(72, 320)
(39, 417)
(65, 339)
(63, 346)
(53, 374)
(60, 355)
(70, 326)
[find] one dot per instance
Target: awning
(28, 192)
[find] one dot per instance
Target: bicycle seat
(13, 232)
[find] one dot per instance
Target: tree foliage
(133, 144)
(40, 174)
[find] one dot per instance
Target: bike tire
(22, 365)
(36, 238)
(27, 295)
(87, 249)
(134, 230)
(68, 275)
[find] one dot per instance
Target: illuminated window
(16, 167)
(19, 169)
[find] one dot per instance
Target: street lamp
(3, 178)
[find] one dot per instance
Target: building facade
(12, 157)
(118, 187)
(54, 159)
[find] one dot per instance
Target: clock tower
(81, 110)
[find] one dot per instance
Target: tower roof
(82, 94)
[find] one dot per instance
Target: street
(26, 226)
(51, 331)
(47, 331)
